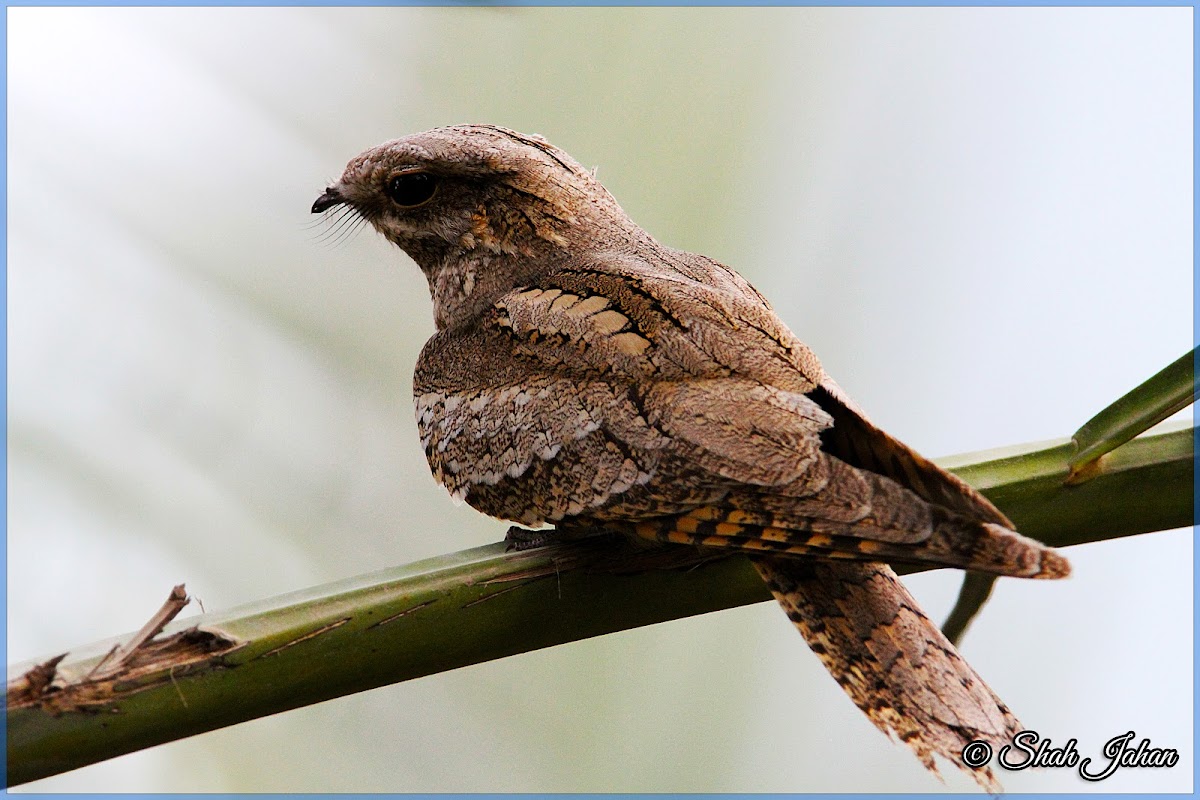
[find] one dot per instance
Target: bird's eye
(411, 189)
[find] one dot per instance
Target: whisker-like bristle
(347, 232)
(341, 224)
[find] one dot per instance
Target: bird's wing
(854, 439)
(611, 379)
(715, 362)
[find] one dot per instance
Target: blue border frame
(594, 3)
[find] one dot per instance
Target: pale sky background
(980, 219)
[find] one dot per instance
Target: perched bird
(586, 376)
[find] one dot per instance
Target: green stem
(1172, 389)
(976, 589)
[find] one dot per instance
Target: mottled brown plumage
(584, 375)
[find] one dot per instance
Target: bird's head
(473, 190)
(481, 209)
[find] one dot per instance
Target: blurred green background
(981, 220)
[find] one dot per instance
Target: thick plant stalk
(215, 670)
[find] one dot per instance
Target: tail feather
(891, 659)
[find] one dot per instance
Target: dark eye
(410, 189)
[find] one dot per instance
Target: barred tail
(893, 662)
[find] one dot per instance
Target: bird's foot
(519, 539)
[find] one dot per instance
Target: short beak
(332, 197)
